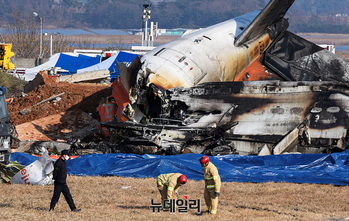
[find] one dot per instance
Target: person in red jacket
(60, 183)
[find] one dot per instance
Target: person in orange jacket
(212, 184)
(168, 185)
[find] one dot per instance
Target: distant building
(162, 32)
(172, 32)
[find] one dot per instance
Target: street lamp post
(37, 15)
(54, 33)
(146, 17)
(50, 45)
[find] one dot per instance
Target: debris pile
(76, 97)
(57, 111)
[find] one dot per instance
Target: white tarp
(30, 73)
(104, 65)
(67, 62)
(110, 64)
(40, 172)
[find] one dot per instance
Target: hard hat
(182, 179)
(204, 160)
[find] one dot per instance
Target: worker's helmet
(204, 160)
(182, 180)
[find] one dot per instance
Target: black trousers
(58, 189)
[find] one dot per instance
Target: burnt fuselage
(183, 93)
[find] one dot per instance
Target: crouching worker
(212, 184)
(60, 184)
(168, 185)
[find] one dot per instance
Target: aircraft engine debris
(40, 172)
(244, 86)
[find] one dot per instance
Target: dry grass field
(318, 38)
(321, 38)
(106, 198)
(114, 40)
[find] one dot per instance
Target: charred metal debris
(241, 118)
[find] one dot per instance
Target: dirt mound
(64, 126)
(66, 111)
(85, 97)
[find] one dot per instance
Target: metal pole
(151, 36)
(146, 32)
(51, 46)
(40, 56)
(146, 17)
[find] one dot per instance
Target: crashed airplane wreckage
(244, 86)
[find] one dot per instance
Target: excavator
(8, 133)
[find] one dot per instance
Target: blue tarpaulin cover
(110, 64)
(295, 168)
(122, 57)
(73, 63)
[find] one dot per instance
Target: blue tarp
(122, 57)
(295, 168)
(73, 63)
(110, 64)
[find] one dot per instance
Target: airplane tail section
(270, 19)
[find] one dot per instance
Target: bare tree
(24, 34)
